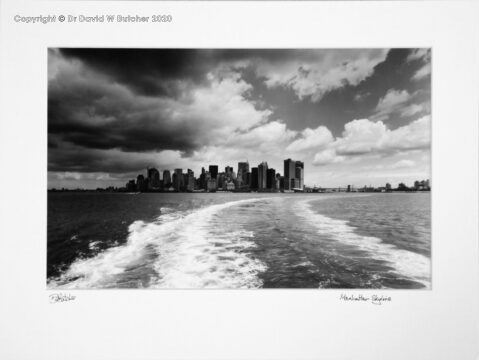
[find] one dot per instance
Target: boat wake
(405, 263)
(194, 249)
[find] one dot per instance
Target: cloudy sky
(354, 116)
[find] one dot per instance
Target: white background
(441, 323)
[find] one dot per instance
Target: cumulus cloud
(326, 157)
(365, 137)
(321, 72)
(391, 102)
(311, 139)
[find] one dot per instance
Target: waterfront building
(221, 180)
(271, 179)
(153, 179)
(131, 186)
(140, 183)
(202, 179)
(166, 179)
(211, 185)
(289, 173)
(294, 184)
(262, 175)
(299, 174)
(190, 180)
(178, 180)
(281, 183)
(230, 186)
(422, 185)
(254, 178)
(213, 171)
(243, 170)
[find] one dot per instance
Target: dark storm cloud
(90, 110)
(149, 71)
(146, 71)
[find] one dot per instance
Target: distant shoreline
(231, 192)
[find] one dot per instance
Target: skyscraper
(254, 178)
(262, 175)
(153, 178)
(243, 169)
(190, 183)
(178, 181)
(299, 174)
(140, 183)
(203, 179)
(289, 173)
(213, 171)
(166, 179)
(271, 179)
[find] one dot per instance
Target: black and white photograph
(239, 168)
(226, 180)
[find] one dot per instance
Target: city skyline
(246, 179)
(357, 116)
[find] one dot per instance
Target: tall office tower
(178, 181)
(166, 179)
(203, 179)
(153, 178)
(190, 180)
(140, 183)
(278, 181)
(299, 174)
(262, 175)
(299, 177)
(254, 178)
(213, 171)
(228, 175)
(271, 179)
(289, 173)
(174, 181)
(243, 170)
(221, 180)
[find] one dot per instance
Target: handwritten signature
(60, 297)
(374, 299)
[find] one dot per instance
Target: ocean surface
(238, 240)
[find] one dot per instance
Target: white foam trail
(414, 266)
(187, 251)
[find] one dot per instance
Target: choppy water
(226, 240)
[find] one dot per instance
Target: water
(232, 240)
